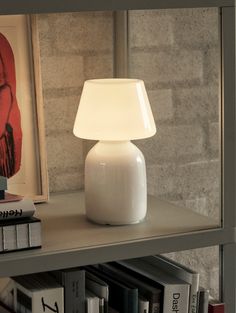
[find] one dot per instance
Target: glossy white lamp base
(115, 183)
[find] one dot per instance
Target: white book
(175, 291)
(97, 285)
(9, 237)
(22, 236)
(34, 234)
(16, 209)
(181, 272)
(22, 233)
(92, 302)
(99, 288)
(38, 293)
(143, 305)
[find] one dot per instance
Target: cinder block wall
(74, 47)
(176, 53)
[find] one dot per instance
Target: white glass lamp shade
(114, 109)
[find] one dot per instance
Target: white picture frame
(31, 181)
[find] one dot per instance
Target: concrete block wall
(73, 47)
(176, 53)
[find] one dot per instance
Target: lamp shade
(114, 109)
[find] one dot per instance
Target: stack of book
(19, 229)
(153, 284)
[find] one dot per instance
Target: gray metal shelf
(69, 239)
(45, 6)
(20, 263)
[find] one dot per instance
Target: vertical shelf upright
(228, 250)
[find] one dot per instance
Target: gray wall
(176, 53)
(74, 47)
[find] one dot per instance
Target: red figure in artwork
(10, 122)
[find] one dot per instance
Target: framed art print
(22, 144)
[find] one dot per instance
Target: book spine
(176, 299)
(9, 238)
(152, 295)
(34, 234)
(93, 303)
(143, 306)
(37, 293)
(121, 297)
(180, 272)
(16, 209)
(193, 298)
(203, 300)
(216, 308)
(101, 305)
(20, 236)
(74, 289)
(176, 296)
(155, 307)
(96, 287)
(48, 300)
(132, 301)
(105, 306)
(22, 298)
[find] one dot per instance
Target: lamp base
(115, 183)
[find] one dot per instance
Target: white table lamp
(115, 111)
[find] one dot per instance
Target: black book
(73, 281)
(146, 289)
(175, 291)
(123, 297)
(5, 309)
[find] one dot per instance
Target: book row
(153, 284)
(19, 229)
(20, 234)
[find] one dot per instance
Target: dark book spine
(132, 301)
(119, 294)
(74, 289)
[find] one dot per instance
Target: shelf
(69, 239)
(45, 6)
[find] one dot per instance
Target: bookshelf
(70, 240)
